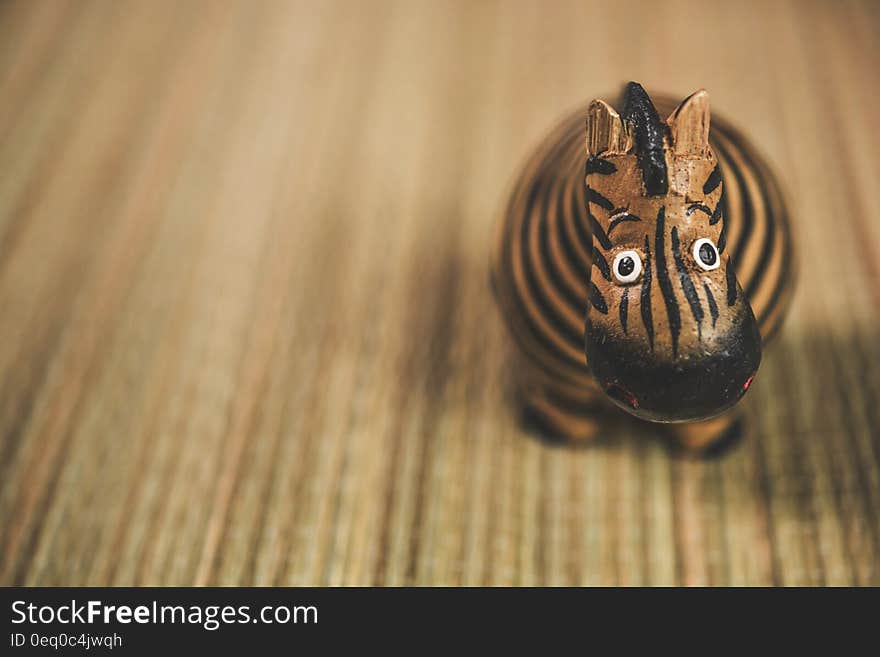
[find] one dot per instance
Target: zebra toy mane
(648, 132)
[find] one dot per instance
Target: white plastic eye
(627, 266)
(706, 254)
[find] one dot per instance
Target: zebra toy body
(649, 269)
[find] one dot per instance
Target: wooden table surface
(246, 333)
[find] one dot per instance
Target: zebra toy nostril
(616, 391)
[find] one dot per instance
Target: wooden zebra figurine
(655, 282)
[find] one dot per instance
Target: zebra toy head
(670, 336)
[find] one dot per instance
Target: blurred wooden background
(246, 334)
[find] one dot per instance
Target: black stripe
(783, 282)
(577, 205)
(784, 279)
(687, 284)
(712, 181)
(665, 282)
(748, 218)
(769, 236)
(756, 275)
(598, 165)
(601, 264)
(535, 330)
(538, 334)
(624, 302)
(713, 307)
(539, 188)
(578, 256)
(645, 303)
(598, 199)
(597, 299)
(551, 265)
(731, 284)
(571, 255)
(553, 216)
(531, 284)
(621, 219)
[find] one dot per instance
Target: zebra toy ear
(689, 125)
(606, 132)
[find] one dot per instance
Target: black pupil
(626, 266)
(707, 254)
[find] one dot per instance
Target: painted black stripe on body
(769, 234)
(534, 332)
(665, 282)
(783, 281)
(551, 360)
(752, 279)
(572, 207)
(597, 299)
(687, 285)
(546, 307)
(568, 269)
(598, 165)
(712, 181)
(783, 284)
(645, 302)
(548, 263)
(570, 253)
(747, 208)
(575, 240)
(624, 310)
(601, 264)
(713, 307)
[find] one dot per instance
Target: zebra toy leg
(552, 417)
(558, 413)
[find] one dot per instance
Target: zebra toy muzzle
(661, 253)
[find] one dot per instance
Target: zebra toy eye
(627, 266)
(706, 254)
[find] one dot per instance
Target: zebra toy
(654, 281)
